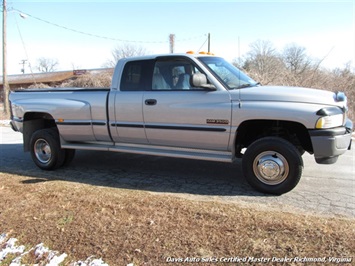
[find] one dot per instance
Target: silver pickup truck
(192, 106)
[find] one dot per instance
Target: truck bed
(65, 89)
(79, 113)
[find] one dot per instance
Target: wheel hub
(42, 150)
(271, 168)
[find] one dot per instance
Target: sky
(82, 34)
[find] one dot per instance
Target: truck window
(137, 76)
(173, 74)
(228, 74)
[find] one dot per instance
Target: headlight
(330, 121)
(330, 117)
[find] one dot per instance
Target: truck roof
(153, 56)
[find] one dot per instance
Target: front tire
(45, 149)
(272, 165)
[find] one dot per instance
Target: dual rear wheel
(46, 151)
(270, 165)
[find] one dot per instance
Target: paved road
(324, 189)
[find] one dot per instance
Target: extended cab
(188, 106)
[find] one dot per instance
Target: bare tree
(46, 64)
(293, 67)
(344, 80)
(125, 50)
(263, 62)
(296, 59)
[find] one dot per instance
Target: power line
(202, 44)
(100, 36)
(26, 53)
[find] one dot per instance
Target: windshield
(228, 74)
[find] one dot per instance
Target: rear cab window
(137, 75)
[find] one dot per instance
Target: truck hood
(289, 94)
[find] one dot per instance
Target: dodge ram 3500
(187, 106)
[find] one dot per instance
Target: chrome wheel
(271, 168)
(46, 152)
(272, 165)
(42, 151)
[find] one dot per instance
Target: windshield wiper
(247, 85)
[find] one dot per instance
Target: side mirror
(199, 80)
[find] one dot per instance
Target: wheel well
(294, 132)
(34, 121)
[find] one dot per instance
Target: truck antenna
(239, 65)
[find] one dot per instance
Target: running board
(176, 152)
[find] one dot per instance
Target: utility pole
(5, 84)
(23, 62)
(209, 43)
(172, 42)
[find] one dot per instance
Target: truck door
(127, 123)
(177, 114)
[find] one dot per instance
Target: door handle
(150, 102)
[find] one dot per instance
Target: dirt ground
(127, 226)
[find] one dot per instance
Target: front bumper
(328, 144)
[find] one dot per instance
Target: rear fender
(33, 122)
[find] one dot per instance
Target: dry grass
(125, 226)
(101, 80)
